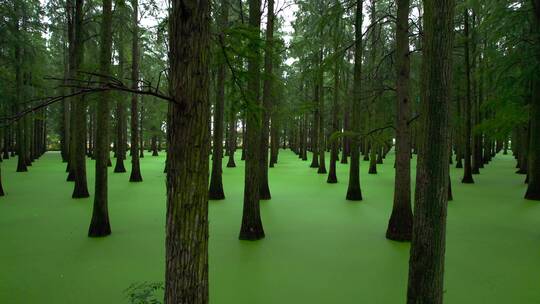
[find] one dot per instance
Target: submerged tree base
(467, 180)
(80, 192)
(99, 228)
(216, 194)
(354, 194)
(251, 233)
(135, 177)
(400, 226)
(119, 167)
(532, 194)
(332, 179)
(264, 193)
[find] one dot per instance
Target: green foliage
(145, 293)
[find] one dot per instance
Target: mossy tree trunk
(426, 265)
(186, 271)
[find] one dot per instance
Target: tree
(426, 265)
(354, 192)
(77, 141)
(186, 272)
(252, 228)
(533, 189)
(135, 175)
(264, 188)
(99, 226)
(121, 116)
(400, 224)
(467, 171)
(216, 178)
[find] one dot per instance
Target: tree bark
(78, 126)
(121, 115)
(332, 175)
(533, 188)
(232, 139)
(354, 192)
(400, 223)
(467, 155)
(216, 179)
(186, 272)
(426, 265)
(252, 228)
(135, 175)
(100, 226)
(267, 99)
(321, 140)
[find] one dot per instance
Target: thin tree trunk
(135, 175)
(332, 175)
(121, 119)
(467, 155)
(232, 139)
(321, 144)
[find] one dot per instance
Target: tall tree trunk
(7, 139)
(135, 175)
(400, 223)
(21, 143)
(99, 226)
(354, 192)
(332, 176)
(426, 265)
(78, 127)
(274, 139)
(314, 140)
(345, 142)
(322, 144)
(232, 139)
(216, 179)
(121, 115)
(264, 188)
(186, 272)
(65, 106)
(533, 189)
(2, 193)
(252, 228)
(467, 155)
